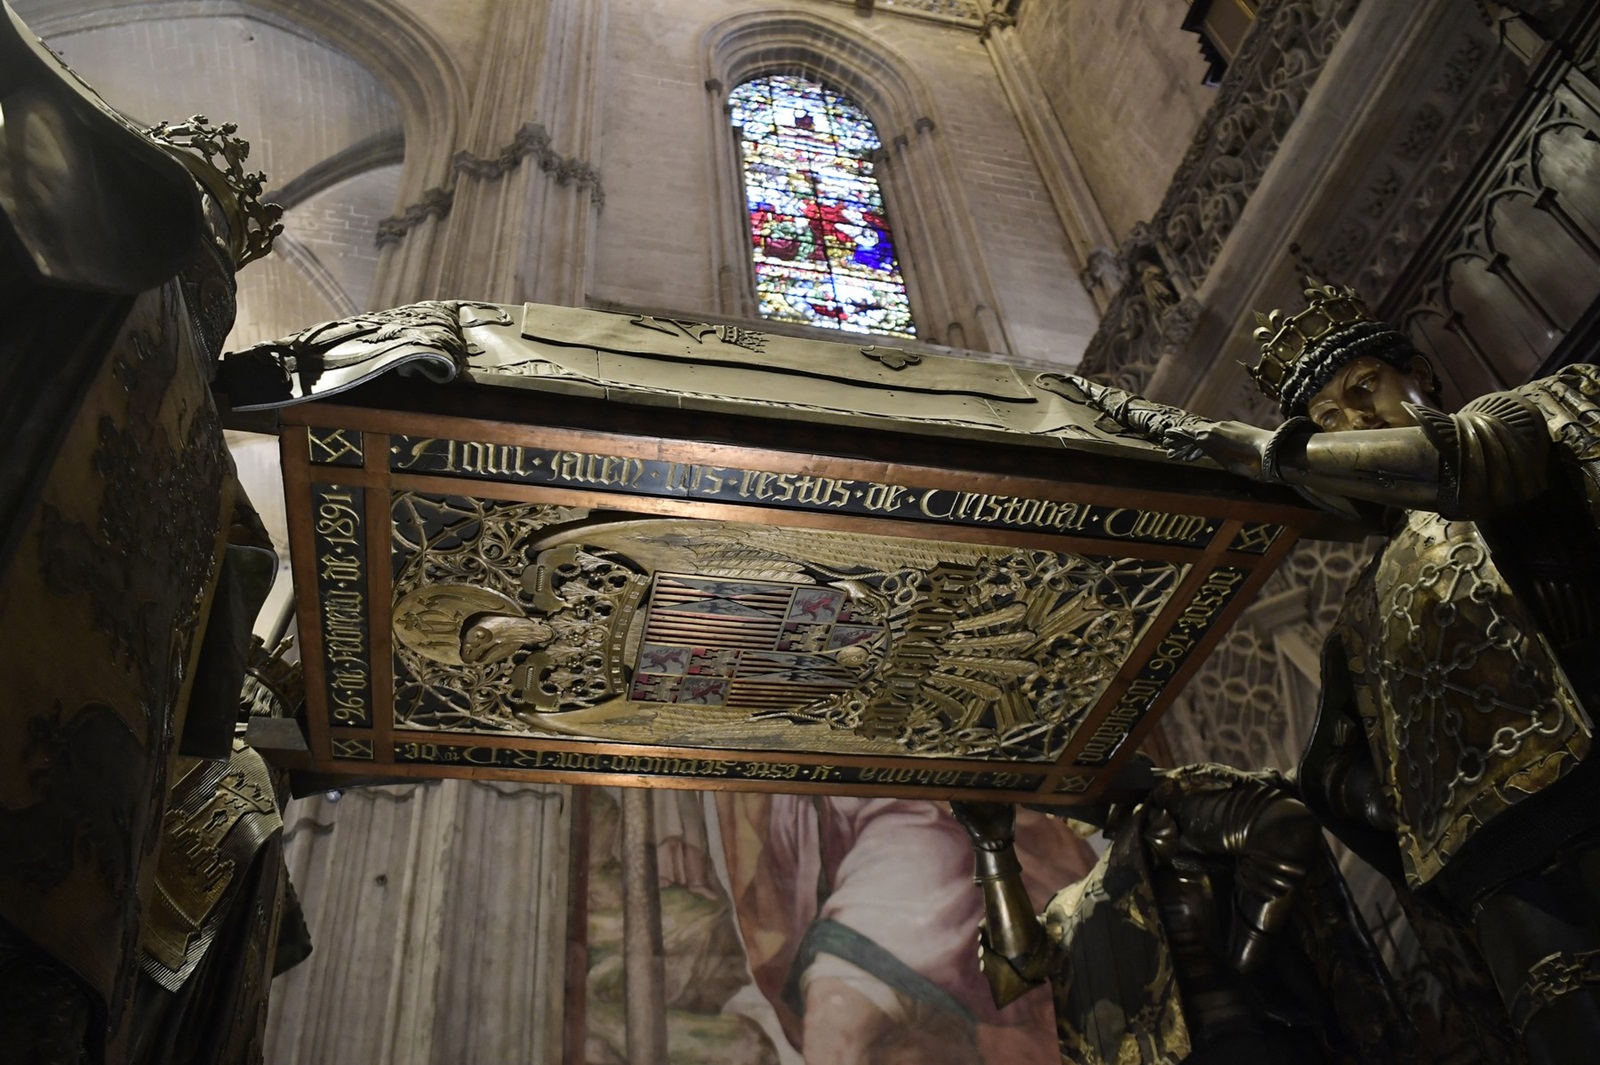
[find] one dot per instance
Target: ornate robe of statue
(1454, 745)
(140, 872)
(1467, 649)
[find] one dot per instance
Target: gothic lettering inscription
(339, 534)
(1174, 649)
(413, 752)
(798, 491)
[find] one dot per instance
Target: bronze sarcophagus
(632, 549)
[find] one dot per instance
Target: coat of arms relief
(543, 620)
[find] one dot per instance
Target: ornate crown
(273, 687)
(216, 159)
(1300, 352)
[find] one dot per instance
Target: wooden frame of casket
(636, 550)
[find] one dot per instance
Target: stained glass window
(822, 250)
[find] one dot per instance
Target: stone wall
(295, 98)
(1126, 84)
(656, 158)
(298, 100)
(562, 151)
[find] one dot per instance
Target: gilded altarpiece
(609, 579)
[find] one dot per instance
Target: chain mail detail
(1253, 701)
(1468, 708)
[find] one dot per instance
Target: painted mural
(803, 930)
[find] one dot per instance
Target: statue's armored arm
(1338, 778)
(1014, 950)
(1350, 785)
(1491, 456)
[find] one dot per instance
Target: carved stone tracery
(1168, 259)
(1252, 702)
(1409, 188)
(1496, 301)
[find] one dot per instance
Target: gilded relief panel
(551, 621)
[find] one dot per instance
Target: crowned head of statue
(1341, 367)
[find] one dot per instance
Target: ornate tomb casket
(630, 549)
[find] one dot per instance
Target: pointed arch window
(820, 240)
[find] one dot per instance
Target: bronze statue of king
(1453, 748)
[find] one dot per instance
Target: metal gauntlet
(1014, 951)
(1272, 835)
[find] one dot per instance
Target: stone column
(730, 230)
(1086, 228)
(644, 975)
(925, 202)
(438, 921)
(526, 193)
